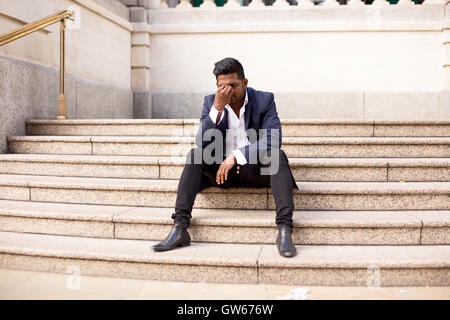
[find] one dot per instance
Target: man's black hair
(229, 65)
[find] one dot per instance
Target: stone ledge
(343, 18)
(116, 7)
(351, 257)
(106, 13)
(242, 255)
(196, 121)
(155, 167)
(191, 139)
(294, 27)
(225, 217)
(366, 140)
(226, 254)
(180, 161)
(156, 185)
(332, 265)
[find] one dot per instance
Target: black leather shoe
(284, 242)
(178, 237)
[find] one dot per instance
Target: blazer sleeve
(206, 124)
(271, 137)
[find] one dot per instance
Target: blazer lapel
(225, 117)
(247, 112)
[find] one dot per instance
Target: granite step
(229, 263)
(405, 227)
(162, 193)
(97, 194)
(306, 147)
(188, 127)
(152, 167)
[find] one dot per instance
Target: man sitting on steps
(246, 121)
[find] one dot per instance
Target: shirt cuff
(240, 158)
(213, 114)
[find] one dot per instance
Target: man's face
(238, 86)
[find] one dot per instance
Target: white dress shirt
(236, 136)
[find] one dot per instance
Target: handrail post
(60, 17)
(62, 110)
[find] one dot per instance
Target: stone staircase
(373, 204)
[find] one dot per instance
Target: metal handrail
(61, 17)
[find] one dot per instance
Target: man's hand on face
(227, 164)
(222, 98)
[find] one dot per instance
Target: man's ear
(245, 82)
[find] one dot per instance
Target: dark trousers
(196, 177)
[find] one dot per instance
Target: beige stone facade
(97, 51)
(329, 61)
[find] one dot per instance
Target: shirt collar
(242, 110)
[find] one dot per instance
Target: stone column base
(142, 104)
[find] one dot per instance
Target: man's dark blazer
(260, 113)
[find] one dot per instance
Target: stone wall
(98, 64)
(99, 50)
(131, 58)
(30, 91)
(360, 62)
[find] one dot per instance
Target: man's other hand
(222, 97)
(227, 164)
